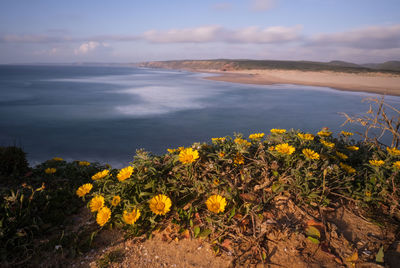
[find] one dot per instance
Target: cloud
(222, 6)
(208, 34)
(33, 38)
(262, 5)
(88, 47)
(275, 34)
(373, 37)
(196, 35)
(49, 52)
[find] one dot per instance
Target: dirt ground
(347, 240)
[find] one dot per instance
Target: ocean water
(105, 113)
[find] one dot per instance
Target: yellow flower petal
(84, 189)
(125, 173)
(310, 154)
(188, 155)
(131, 217)
(96, 203)
(103, 216)
(285, 148)
(160, 204)
(100, 175)
(216, 203)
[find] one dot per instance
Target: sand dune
(381, 83)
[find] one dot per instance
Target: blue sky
(360, 31)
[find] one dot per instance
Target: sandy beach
(381, 83)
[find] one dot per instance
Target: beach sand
(380, 83)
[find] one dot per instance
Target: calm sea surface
(105, 113)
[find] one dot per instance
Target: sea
(104, 114)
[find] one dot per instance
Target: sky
(127, 31)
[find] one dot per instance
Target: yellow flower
(100, 175)
(271, 148)
(84, 189)
(171, 151)
(160, 204)
(50, 170)
(216, 182)
(239, 159)
(103, 216)
(216, 203)
(307, 136)
(285, 148)
(188, 155)
(256, 136)
(125, 173)
(352, 148)
(115, 201)
(393, 151)
(57, 159)
(377, 163)
(222, 139)
(345, 133)
(324, 133)
(396, 165)
(131, 217)
(347, 168)
(221, 154)
(310, 154)
(96, 203)
(84, 163)
(341, 155)
(277, 131)
(240, 141)
(328, 144)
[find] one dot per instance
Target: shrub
(13, 161)
(208, 187)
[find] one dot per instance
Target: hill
(389, 65)
(245, 64)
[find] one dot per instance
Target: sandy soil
(380, 83)
(284, 240)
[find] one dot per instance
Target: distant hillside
(389, 65)
(229, 65)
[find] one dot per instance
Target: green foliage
(38, 206)
(12, 162)
(249, 174)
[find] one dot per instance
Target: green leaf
(233, 212)
(145, 194)
(196, 231)
(205, 233)
(314, 240)
(380, 256)
(312, 231)
(276, 187)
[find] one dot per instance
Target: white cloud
(90, 46)
(208, 34)
(262, 5)
(275, 34)
(32, 38)
(197, 35)
(373, 37)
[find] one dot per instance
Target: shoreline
(378, 83)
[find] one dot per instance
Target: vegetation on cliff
(243, 194)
